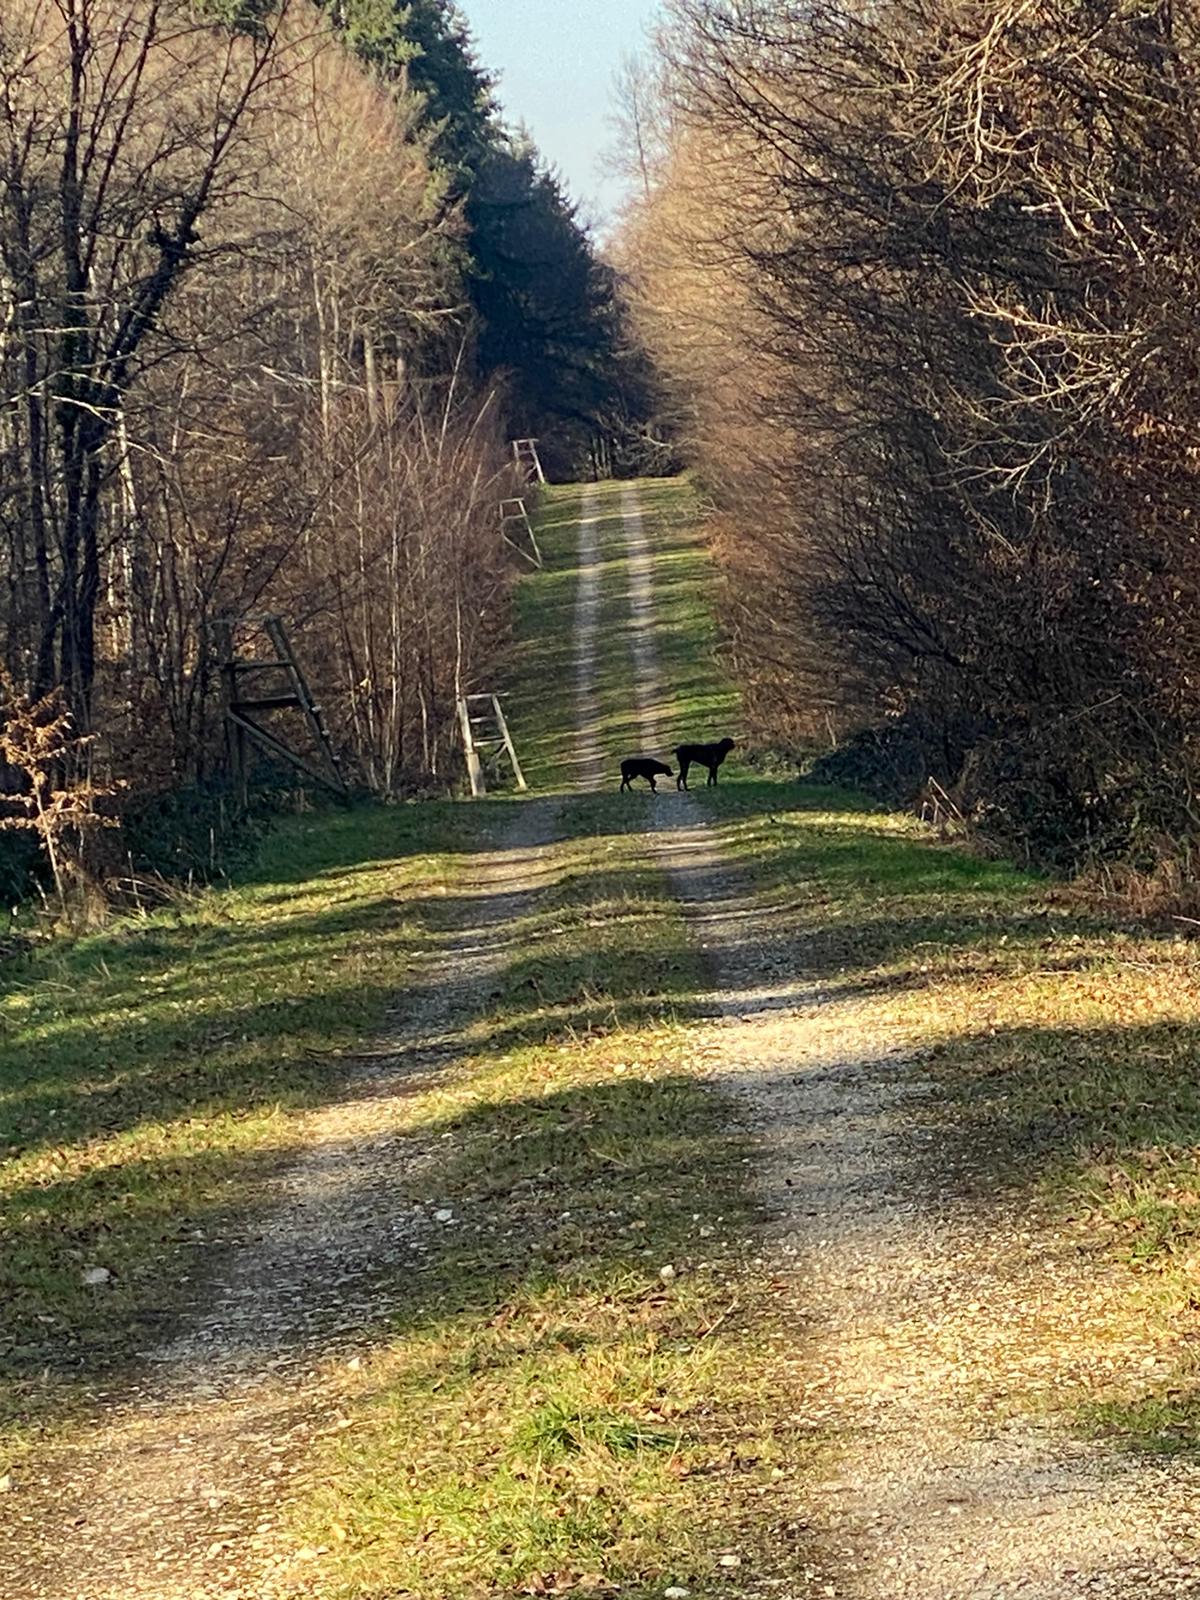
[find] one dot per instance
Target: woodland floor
(741, 1193)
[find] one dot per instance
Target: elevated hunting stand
(513, 512)
(525, 454)
(486, 740)
(285, 690)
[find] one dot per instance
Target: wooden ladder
(514, 511)
(486, 740)
(289, 692)
(525, 454)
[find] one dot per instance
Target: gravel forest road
(916, 1314)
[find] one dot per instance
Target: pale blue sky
(556, 60)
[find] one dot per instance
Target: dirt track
(916, 1313)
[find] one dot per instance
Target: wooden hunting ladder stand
(513, 512)
(289, 691)
(529, 465)
(486, 740)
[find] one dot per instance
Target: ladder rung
(278, 702)
(259, 666)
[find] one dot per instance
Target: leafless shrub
(44, 793)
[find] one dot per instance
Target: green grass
(564, 1427)
(870, 892)
(702, 702)
(1064, 1045)
(550, 1410)
(1155, 1425)
(547, 1402)
(150, 1074)
(540, 684)
(619, 730)
(550, 1406)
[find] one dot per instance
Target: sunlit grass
(580, 1392)
(1065, 1046)
(575, 1408)
(1158, 1426)
(151, 1074)
(698, 700)
(701, 701)
(585, 1384)
(539, 682)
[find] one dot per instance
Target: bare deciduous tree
(223, 248)
(963, 238)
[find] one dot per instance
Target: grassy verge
(620, 727)
(151, 1074)
(540, 683)
(702, 702)
(871, 899)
